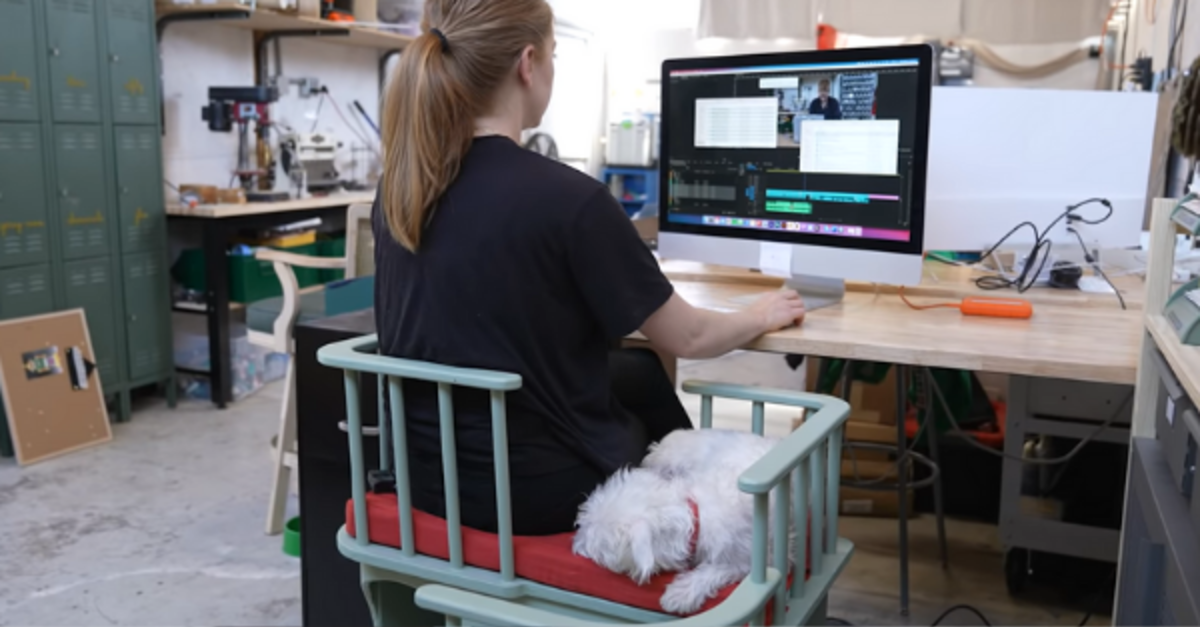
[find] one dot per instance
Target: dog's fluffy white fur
(640, 523)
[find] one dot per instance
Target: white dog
(681, 511)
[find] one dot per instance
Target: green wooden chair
(801, 474)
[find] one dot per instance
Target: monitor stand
(817, 292)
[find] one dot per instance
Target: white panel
(1001, 156)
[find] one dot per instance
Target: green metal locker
(74, 60)
(82, 212)
(90, 285)
(18, 62)
(139, 189)
(145, 315)
(130, 69)
(24, 233)
(82, 198)
(25, 291)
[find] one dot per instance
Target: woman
(491, 256)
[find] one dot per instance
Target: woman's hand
(778, 310)
(691, 333)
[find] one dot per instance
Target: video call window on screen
(821, 148)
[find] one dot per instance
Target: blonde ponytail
(445, 79)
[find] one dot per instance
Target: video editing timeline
(819, 148)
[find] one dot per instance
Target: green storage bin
(307, 277)
(188, 270)
(334, 247)
(249, 279)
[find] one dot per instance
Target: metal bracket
(197, 16)
(160, 27)
(261, 60)
(383, 61)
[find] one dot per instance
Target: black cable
(1041, 247)
(833, 620)
(1087, 255)
(955, 608)
(966, 436)
(317, 117)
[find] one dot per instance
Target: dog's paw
(682, 600)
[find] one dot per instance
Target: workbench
(1071, 368)
(217, 224)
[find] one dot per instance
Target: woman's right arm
(693, 333)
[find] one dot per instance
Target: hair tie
(442, 36)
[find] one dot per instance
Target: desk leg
(902, 482)
(938, 507)
(216, 298)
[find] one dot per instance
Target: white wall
(198, 56)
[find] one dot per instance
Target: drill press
(242, 105)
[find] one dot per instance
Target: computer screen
(824, 148)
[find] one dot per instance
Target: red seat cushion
(545, 559)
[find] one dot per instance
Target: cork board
(51, 396)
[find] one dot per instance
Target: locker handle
(54, 52)
(114, 58)
(124, 190)
(65, 192)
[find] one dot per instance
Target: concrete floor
(164, 526)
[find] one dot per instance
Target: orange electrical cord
(980, 306)
(924, 307)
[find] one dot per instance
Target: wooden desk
(1077, 343)
(218, 224)
(220, 212)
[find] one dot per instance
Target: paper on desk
(1094, 285)
(775, 259)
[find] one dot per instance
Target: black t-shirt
(530, 267)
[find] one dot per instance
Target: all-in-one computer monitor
(809, 165)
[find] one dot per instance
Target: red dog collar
(695, 542)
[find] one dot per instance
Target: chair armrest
(739, 609)
(300, 261)
(766, 473)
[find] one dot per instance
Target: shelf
(268, 21)
(1184, 360)
(189, 307)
